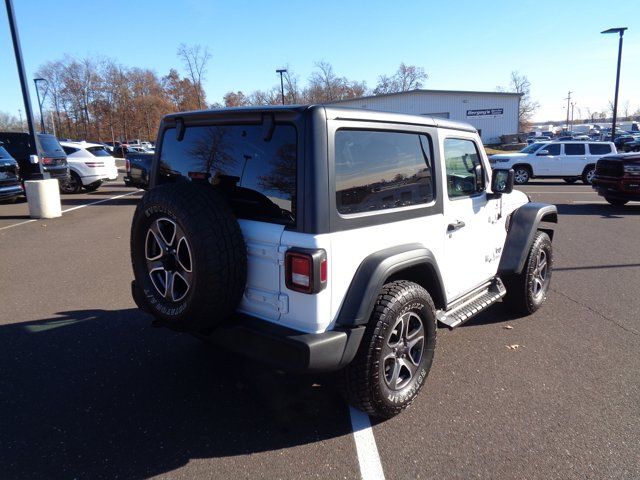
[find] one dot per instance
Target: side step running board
(472, 304)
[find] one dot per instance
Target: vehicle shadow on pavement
(604, 211)
(100, 394)
(130, 200)
(497, 313)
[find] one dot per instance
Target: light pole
(281, 71)
(40, 102)
(619, 30)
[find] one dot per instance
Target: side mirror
(33, 159)
(543, 153)
(502, 180)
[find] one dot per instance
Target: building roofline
(421, 90)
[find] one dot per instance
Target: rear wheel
(616, 202)
(527, 291)
(522, 174)
(73, 184)
(589, 174)
(396, 352)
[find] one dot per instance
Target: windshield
(4, 153)
(98, 151)
(534, 147)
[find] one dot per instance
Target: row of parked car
(76, 165)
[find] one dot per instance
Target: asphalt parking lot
(88, 389)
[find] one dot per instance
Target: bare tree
(520, 84)
(325, 86)
(195, 59)
(407, 77)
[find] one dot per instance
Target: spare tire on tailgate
(188, 255)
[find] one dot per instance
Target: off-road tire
(616, 202)
(363, 382)
(216, 248)
(522, 174)
(521, 298)
(92, 187)
(73, 185)
(588, 174)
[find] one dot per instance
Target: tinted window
(599, 148)
(4, 153)
(69, 150)
(553, 149)
(98, 151)
(258, 175)
(50, 144)
(376, 170)
(465, 175)
(574, 149)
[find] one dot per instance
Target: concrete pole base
(43, 197)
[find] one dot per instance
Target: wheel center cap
(169, 262)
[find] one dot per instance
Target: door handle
(457, 225)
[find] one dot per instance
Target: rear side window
(599, 148)
(377, 170)
(98, 152)
(465, 175)
(69, 150)
(259, 175)
(574, 149)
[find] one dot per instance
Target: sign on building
(485, 113)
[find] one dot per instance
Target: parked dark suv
(617, 178)
(20, 147)
(10, 186)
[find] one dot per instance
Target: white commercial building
(492, 113)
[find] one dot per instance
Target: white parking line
(101, 201)
(589, 201)
(551, 191)
(74, 208)
(368, 457)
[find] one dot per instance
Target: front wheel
(396, 352)
(521, 175)
(616, 202)
(527, 290)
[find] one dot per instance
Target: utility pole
(573, 104)
(568, 99)
(281, 71)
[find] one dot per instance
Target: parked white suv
(333, 239)
(567, 160)
(90, 164)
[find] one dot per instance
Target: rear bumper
(618, 188)
(282, 347)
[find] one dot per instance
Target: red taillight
(306, 270)
(127, 166)
(48, 161)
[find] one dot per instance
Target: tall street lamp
(281, 71)
(40, 102)
(620, 31)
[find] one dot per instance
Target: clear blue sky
(463, 45)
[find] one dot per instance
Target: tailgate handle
(457, 225)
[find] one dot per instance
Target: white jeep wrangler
(333, 239)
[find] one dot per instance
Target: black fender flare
(375, 270)
(525, 221)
